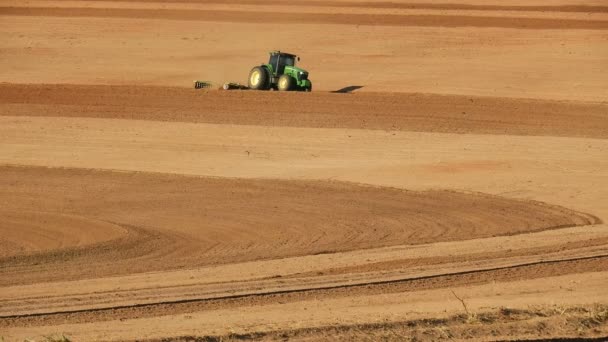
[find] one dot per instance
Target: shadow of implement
(348, 89)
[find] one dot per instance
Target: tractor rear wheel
(259, 78)
(286, 83)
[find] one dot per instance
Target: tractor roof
(277, 52)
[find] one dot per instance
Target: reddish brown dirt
(401, 5)
(322, 18)
(445, 180)
(444, 281)
(192, 221)
(399, 112)
(27, 232)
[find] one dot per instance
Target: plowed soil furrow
(395, 5)
(445, 180)
(469, 257)
(530, 271)
(405, 112)
(29, 232)
(322, 18)
(190, 221)
(95, 300)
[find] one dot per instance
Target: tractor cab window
(274, 60)
(279, 62)
(288, 60)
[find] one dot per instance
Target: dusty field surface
(526, 49)
(446, 180)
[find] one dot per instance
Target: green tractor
(280, 73)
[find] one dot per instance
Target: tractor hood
(295, 70)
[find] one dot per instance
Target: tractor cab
(280, 73)
(279, 60)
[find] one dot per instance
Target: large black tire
(259, 78)
(286, 83)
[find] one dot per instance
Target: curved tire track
(184, 222)
(268, 288)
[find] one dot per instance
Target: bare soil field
(446, 179)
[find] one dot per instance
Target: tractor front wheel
(259, 78)
(286, 83)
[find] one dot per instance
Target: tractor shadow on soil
(348, 89)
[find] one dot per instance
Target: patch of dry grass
(498, 324)
(52, 338)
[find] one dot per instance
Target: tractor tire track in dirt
(143, 250)
(194, 221)
(532, 270)
(445, 180)
(191, 245)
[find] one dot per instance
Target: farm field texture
(446, 179)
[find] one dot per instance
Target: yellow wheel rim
(255, 77)
(283, 83)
